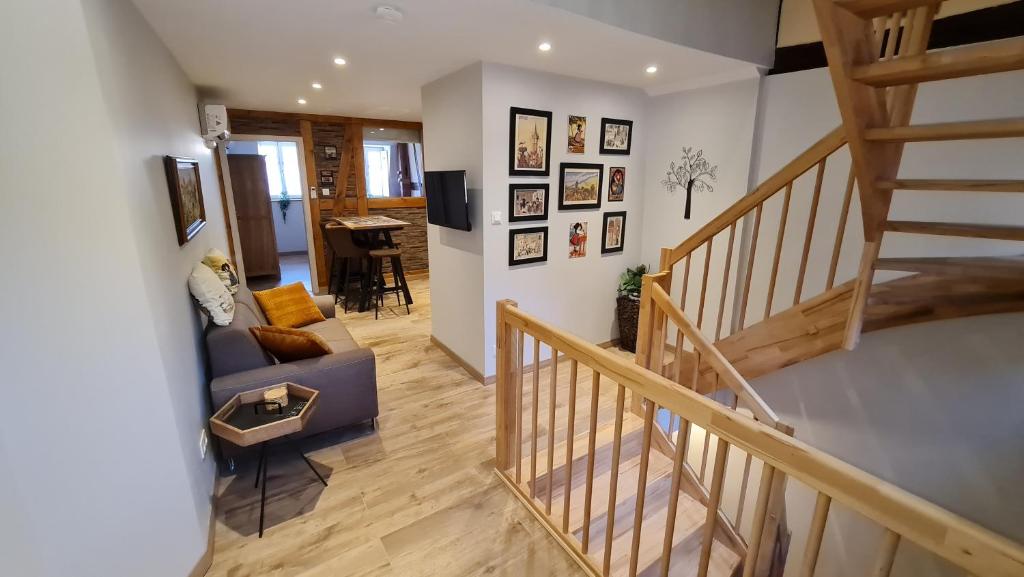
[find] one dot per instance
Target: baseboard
(204, 562)
(458, 360)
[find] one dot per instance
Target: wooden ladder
(877, 54)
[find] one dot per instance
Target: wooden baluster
(894, 31)
(840, 231)
(725, 282)
(878, 23)
(595, 392)
(704, 455)
(743, 489)
(678, 459)
(704, 283)
(714, 501)
(778, 249)
(810, 231)
(886, 554)
(535, 409)
(686, 282)
(569, 436)
(750, 267)
(815, 534)
(613, 482)
(551, 429)
(641, 489)
(521, 338)
(680, 338)
(760, 515)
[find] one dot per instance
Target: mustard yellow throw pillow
(289, 306)
(290, 344)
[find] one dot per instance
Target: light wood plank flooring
(417, 498)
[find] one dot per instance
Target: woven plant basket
(628, 311)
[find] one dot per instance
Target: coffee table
(247, 420)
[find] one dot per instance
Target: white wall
(452, 140)
(577, 295)
(291, 233)
(100, 343)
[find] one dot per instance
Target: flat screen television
(447, 199)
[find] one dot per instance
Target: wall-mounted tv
(447, 199)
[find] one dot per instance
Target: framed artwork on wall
(526, 245)
(186, 190)
(330, 152)
(616, 136)
(578, 239)
(577, 134)
(527, 202)
(613, 233)
(327, 178)
(580, 185)
(616, 183)
(529, 142)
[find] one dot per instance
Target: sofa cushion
(211, 294)
(334, 332)
(233, 349)
(289, 306)
(290, 344)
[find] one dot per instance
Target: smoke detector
(389, 14)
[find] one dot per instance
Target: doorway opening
(271, 210)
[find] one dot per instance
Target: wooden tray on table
(246, 420)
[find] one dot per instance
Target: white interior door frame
(307, 216)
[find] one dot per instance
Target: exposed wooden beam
(970, 230)
(306, 129)
(975, 129)
(953, 185)
(323, 118)
(872, 8)
(970, 60)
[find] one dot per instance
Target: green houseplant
(627, 307)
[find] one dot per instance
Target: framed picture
(613, 233)
(616, 136)
(327, 178)
(616, 183)
(186, 196)
(529, 142)
(527, 202)
(577, 134)
(580, 185)
(578, 239)
(330, 152)
(526, 245)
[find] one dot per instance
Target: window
(282, 160)
(393, 162)
(378, 170)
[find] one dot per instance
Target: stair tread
(970, 60)
(972, 230)
(871, 8)
(964, 130)
(1008, 266)
(957, 185)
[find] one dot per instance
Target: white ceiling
(264, 54)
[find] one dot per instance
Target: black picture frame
(513, 232)
(327, 178)
(512, 169)
(604, 232)
(330, 152)
(516, 186)
(599, 168)
(186, 189)
(605, 122)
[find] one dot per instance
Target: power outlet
(203, 443)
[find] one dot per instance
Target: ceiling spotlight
(317, 86)
(340, 61)
(544, 46)
(651, 69)
(301, 101)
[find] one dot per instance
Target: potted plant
(628, 306)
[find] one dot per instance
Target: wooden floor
(417, 498)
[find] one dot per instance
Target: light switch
(496, 217)
(312, 192)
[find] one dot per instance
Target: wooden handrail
(776, 182)
(971, 547)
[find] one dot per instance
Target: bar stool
(345, 254)
(378, 287)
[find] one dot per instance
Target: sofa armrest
(326, 305)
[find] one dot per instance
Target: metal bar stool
(348, 262)
(378, 286)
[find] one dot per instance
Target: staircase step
(990, 231)
(974, 129)
(1004, 267)
(872, 8)
(970, 60)
(953, 185)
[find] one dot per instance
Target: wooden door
(253, 212)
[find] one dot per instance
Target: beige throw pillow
(212, 295)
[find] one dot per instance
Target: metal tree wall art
(693, 172)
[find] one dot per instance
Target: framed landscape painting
(527, 202)
(526, 245)
(616, 136)
(580, 186)
(613, 233)
(529, 142)
(186, 196)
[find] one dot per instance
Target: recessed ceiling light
(380, 129)
(544, 46)
(317, 86)
(301, 101)
(340, 61)
(651, 69)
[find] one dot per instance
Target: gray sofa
(346, 379)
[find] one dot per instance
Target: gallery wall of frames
(581, 186)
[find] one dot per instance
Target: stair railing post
(861, 291)
(774, 546)
(505, 426)
(650, 336)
